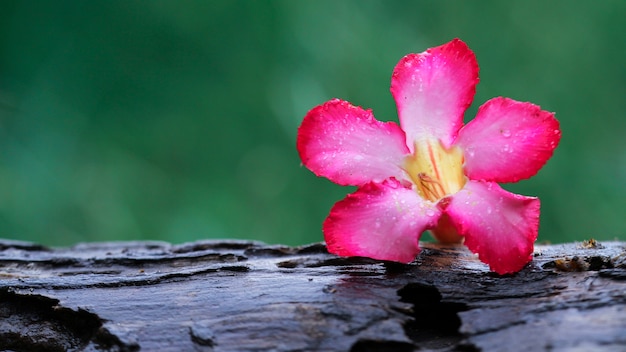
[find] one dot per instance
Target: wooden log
(248, 296)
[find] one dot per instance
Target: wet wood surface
(248, 296)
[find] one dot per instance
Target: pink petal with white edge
(499, 226)
(380, 220)
(433, 89)
(508, 140)
(346, 144)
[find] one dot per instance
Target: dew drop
(507, 148)
(506, 133)
(430, 212)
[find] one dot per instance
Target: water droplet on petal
(506, 133)
(507, 148)
(430, 212)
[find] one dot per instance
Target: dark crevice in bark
(435, 323)
(38, 323)
(381, 346)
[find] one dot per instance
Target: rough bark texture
(247, 296)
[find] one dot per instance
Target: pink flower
(431, 172)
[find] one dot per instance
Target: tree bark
(248, 296)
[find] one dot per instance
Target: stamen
(436, 171)
(431, 187)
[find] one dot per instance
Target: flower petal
(508, 140)
(381, 221)
(499, 226)
(346, 144)
(433, 89)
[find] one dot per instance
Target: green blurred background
(176, 120)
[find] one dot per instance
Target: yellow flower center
(436, 171)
